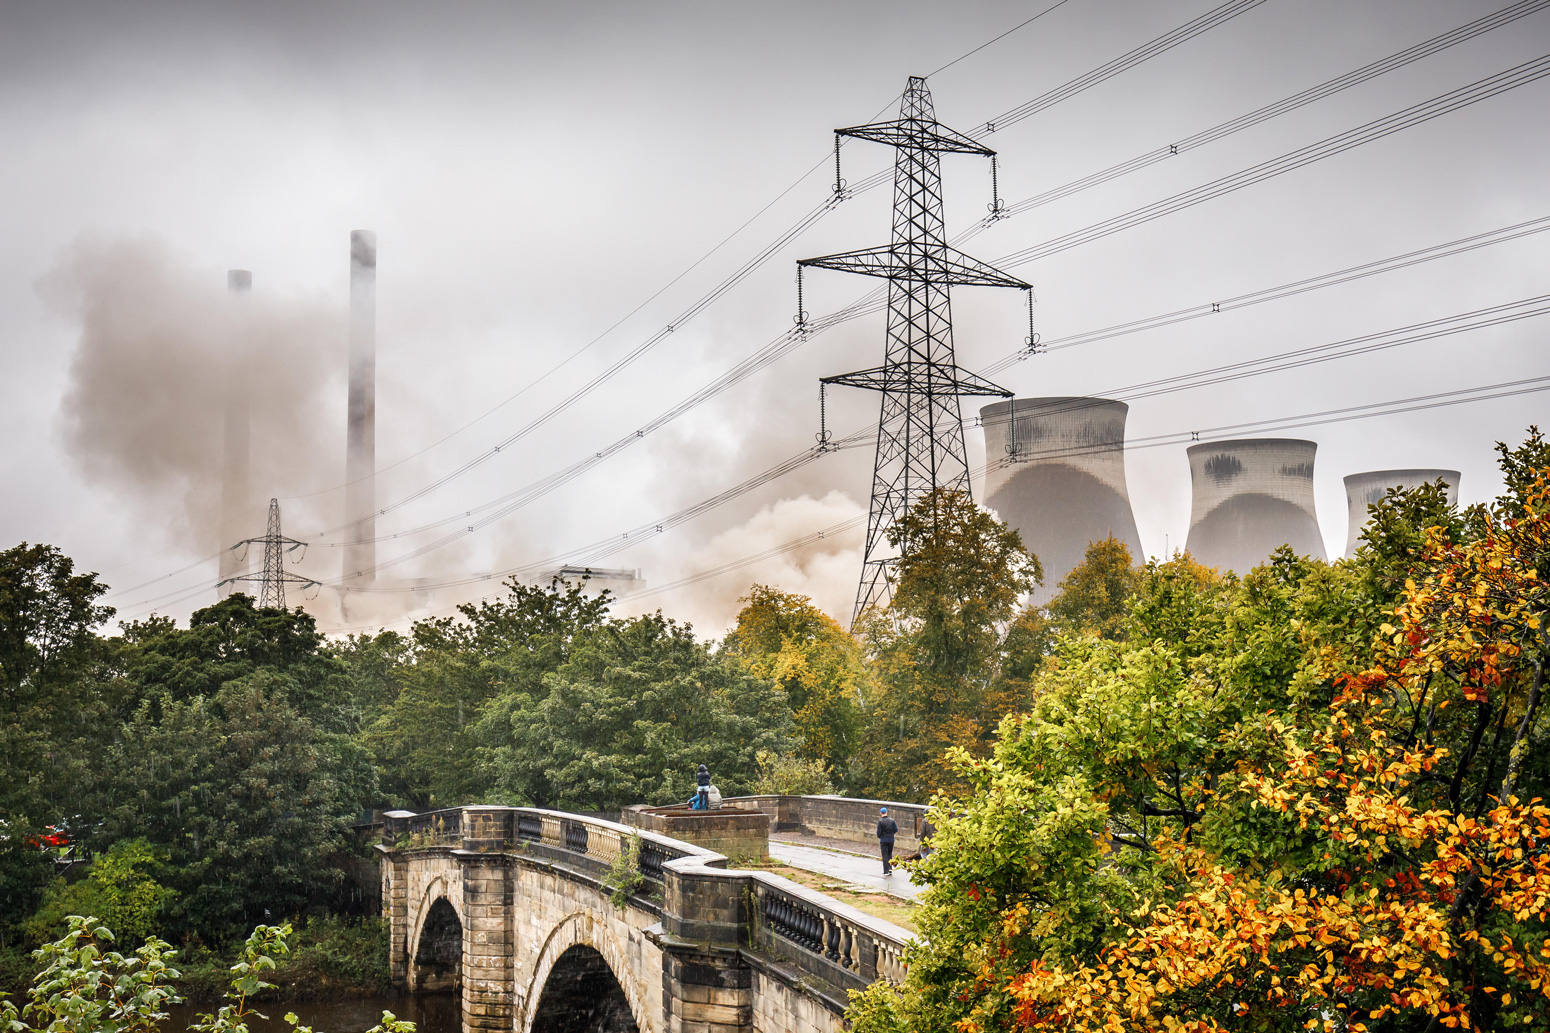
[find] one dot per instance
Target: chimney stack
(235, 473)
(360, 497)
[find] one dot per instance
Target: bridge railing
(489, 829)
(790, 915)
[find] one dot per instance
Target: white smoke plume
(827, 570)
(162, 346)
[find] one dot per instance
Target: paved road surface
(851, 868)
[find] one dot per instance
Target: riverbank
(330, 959)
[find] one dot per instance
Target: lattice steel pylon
(274, 577)
(920, 444)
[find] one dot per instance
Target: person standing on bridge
(887, 828)
(702, 794)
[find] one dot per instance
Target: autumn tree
(785, 638)
(1235, 816)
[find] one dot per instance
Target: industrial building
(1249, 497)
(1366, 489)
(1055, 471)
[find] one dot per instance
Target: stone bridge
(514, 908)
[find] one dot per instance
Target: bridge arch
(436, 945)
(582, 983)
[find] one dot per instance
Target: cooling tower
(1366, 489)
(1249, 497)
(234, 444)
(360, 497)
(1064, 488)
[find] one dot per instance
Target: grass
(878, 905)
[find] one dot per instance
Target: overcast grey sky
(536, 171)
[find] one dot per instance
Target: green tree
(231, 640)
(626, 719)
(428, 741)
(937, 651)
(784, 637)
(248, 798)
(1093, 597)
(122, 886)
(54, 712)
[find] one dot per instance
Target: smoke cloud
(162, 347)
(826, 570)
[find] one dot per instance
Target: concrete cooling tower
(1365, 489)
(1064, 488)
(1249, 497)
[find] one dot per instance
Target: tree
(1232, 816)
(937, 650)
(122, 886)
(428, 741)
(228, 641)
(628, 717)
(247, 797)
(53, 711)
(785, 638)
(1092, 598)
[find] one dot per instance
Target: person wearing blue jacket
(887, 829)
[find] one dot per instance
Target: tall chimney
(235, 479)
(360, 465)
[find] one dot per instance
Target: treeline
(1091, 756)
(215, 770)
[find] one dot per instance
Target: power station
(1249, 497)
(1055, 472)
(1363, 490)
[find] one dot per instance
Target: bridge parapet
(699, 948)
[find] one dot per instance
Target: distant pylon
(920, 443)
(274, 578)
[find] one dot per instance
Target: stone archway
(437, 962)
(582, 995)
(573, 949)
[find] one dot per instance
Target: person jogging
(887, 828)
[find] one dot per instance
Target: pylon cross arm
(937, 264)
(918, 134)
(946, 381)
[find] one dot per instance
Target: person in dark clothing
(927, 830)
(887, 828)
(702, 794)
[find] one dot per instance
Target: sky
(553, 184)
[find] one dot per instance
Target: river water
(431, 1013)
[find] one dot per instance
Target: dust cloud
(825, 570)
(162, 347)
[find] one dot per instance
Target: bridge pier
(489, 943)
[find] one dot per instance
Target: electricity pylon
(274, 577)
(920, 443)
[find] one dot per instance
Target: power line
(1046, 100)
(1453, 100)
(1285, 105)
(997, 39)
